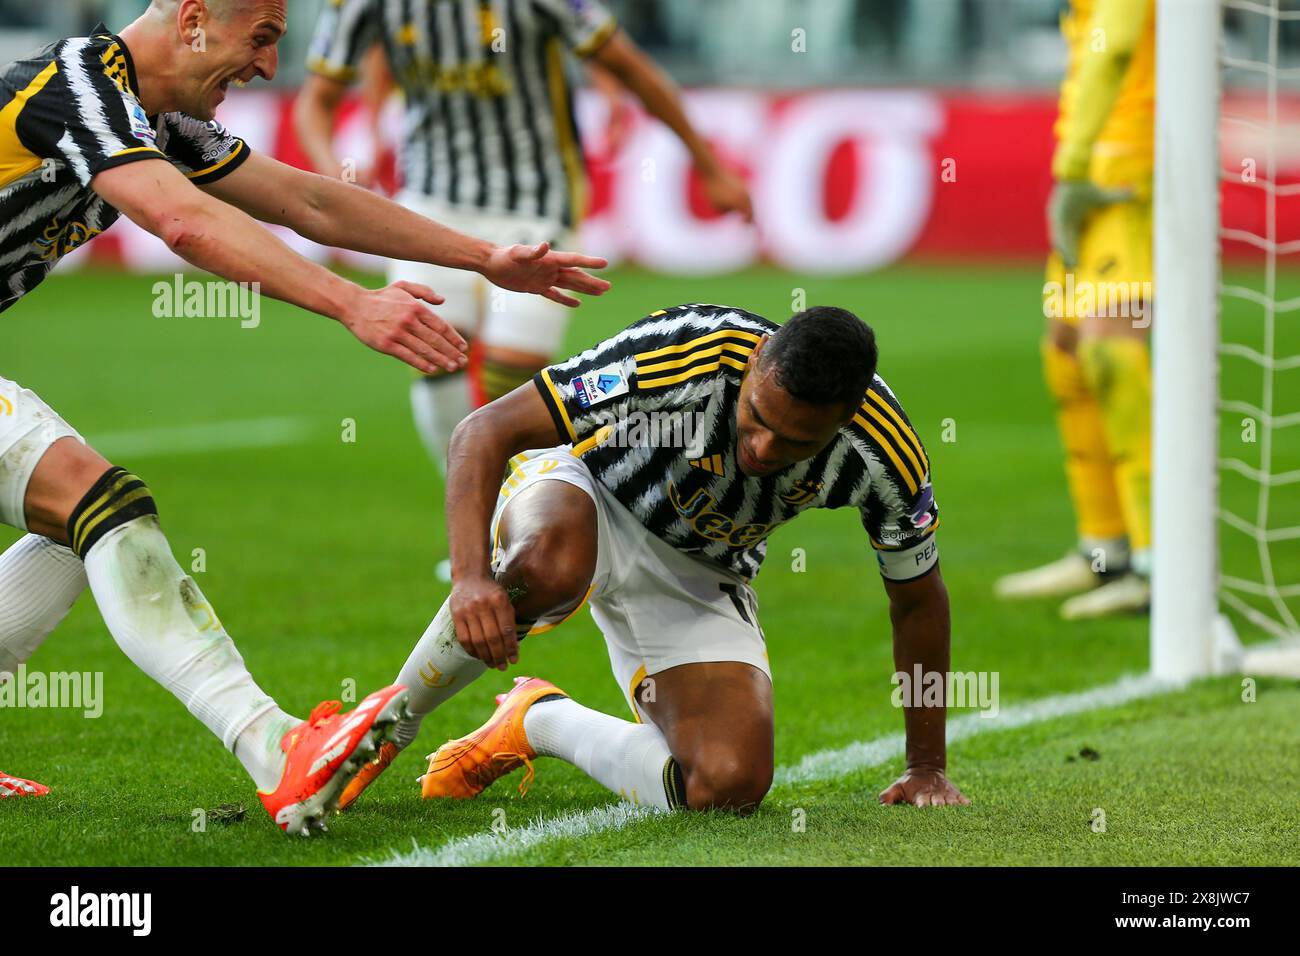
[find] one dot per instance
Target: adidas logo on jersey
(712, 464)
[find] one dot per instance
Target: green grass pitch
(320, 555)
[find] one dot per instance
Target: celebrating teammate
(94, 127)
(669, 454)
(490, 145)
(1098, 296)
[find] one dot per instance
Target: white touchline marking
(483, 847)
(828, 764)
(823, 765)
(196, 439)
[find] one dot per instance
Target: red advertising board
(843, 180)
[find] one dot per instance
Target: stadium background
(900, 169)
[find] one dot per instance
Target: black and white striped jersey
(652, 413)
(489, 120)
(66, 115)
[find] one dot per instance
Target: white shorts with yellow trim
(658, 607)
(512, 320)
(28, 427)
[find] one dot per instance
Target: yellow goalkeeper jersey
(1106, 125)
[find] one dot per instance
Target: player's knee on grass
(725, 777)
(550, 573)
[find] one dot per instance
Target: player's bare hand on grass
(396, 321)
(485, 621)
(924, 788)
(539, 270)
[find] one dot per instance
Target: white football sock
(627, 758)
(39, 582)
(437, 670)
(439, 404)
(160, 619)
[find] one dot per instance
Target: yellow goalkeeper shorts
(1114, 274)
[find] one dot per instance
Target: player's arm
(339, 214)
(918, 610)
(225, 241)
(481, 448)
(347, 32)
(1114, 31)
(643, 77)
(1113, 34)
(315, 116)
(316, 111)
(619, 121)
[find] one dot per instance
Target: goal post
(1185, 622)
(1202, 493)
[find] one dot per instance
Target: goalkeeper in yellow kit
(1097, 299)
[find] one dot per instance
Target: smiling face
(230, 41)
(776, 430)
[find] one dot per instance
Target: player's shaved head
(233, 42)
(218, 8)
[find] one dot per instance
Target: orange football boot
(325, 752)
(464, 768)
(18, 787)
(387, 753)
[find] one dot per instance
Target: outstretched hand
(541, 271)
(396, 321)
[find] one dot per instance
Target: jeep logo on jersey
(716, 527)
(601, 385)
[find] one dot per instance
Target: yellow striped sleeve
(703, 340)
(861, 421)
(709, 368)
(551, 396)
(881, 420)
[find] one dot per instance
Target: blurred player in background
(491, 145)
(1098, 302)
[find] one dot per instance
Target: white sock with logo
(630, 759)
(437, 670)
(163, 623)
(39, 582)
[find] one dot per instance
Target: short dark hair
(825, 356)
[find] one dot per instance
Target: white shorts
(28, 427)
(658, 607)
(512, 320)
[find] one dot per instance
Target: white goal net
(1227, 498)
